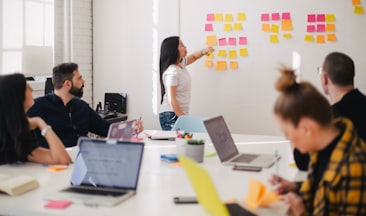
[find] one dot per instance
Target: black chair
(48, 86)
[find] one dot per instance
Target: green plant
(195, 142)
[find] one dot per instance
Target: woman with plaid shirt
(336, 182)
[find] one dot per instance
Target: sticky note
(222, 41)
(331, 37)
(208, 63)
(258, 196)
(208, 27)
(330, 18)
(286, 16)
(232, 41)
(356, 2)
(232, 53)
(265, 17)
(311, 18)
(57, 167)
(221, 65)
(287, 35)
(222, 53)
(310, 28)
(320, 17)
(242, 40)
(309, 38)
(233, 65)
(286, 25)
(241, 16)
(210, 55)
(243, 52)
(218, 17)
(273, 38)
(238, 26)
(266, 27)
(228, 27)
(211, 40)
(228, 17)
(57, 204)
(358, 10)
(275, 28)
(330, 27)
(320, 28)
(320, 39)
(275, 16)
(210, 17)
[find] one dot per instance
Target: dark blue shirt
(69, 122)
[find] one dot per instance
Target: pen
(276, 166)
(137, 133)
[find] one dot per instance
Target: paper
(286, 16)
(330, 28)
(265, 17)
(234, 65)
(311, 18)
(332, 37)
(243, 40)
(330, 18)
(210, 17)
(356, 2)
(276, 16)
(287, 35)
(218, 17)
(241, 16)
(358, 10)
(211, 40)
(309, 38)
(222, 53)
(320, 17)
(222, 41)
(208, 63)
(228, 17)
(221, 65)
(232, 41)
(208, 27)
(232, 53)
(273, 38)
(228, 27)
(266, 27)
(320, 39)
(286, 25)
(275, 28)
(320, 28)
(310, 28)
(258, 196)
(238, 26)
(56, 167)
(243, 52)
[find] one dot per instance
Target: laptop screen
(101, 164)
(221, 138)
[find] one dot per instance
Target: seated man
(68, 115)
(337, 76)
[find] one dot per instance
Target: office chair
(190, 124)
(48, 86)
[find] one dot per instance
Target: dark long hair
(13, 122)
(168, 55)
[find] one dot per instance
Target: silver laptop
(227, 150)
(122, 130)
(105, 173)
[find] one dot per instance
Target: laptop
(122, 130)
(206, 192)
(227, 150)
(105, 173)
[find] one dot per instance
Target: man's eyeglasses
(319, 70)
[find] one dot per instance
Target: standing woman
(17, 143)
(175, 81)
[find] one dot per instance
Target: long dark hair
(168, 55)
(13, 122)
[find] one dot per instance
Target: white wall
(126, 52)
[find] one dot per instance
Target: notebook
(206, 192)
(122, 130)
(227, 150)
(105, 173)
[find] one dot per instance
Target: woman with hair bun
(336, 181)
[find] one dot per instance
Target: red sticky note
(310, 28)
(243, 40)
(320, 28)
(320, 17)
(265, 17)
(311, 18)
(57, 204)
(208, 27)
(276, 16)
(286, 16)
(210, 17)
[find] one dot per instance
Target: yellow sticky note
(258, 196)
(228, 17)
(211, 41)
(243, 52)
(286, 25)
(210, 55)
(332, 37)
(356, 2)
(275, 28)
(273, 38)
(329, 18)
(241, 16)
(221, 53)
(57, 167)
(309, 38)
(320, 39)
(233, 65)
(221, 65)
(238, 26)
(228, 27)
(330, 27)
(287, 35)
(218, 17)
(232, 53)
(208, 63)
(266, 27)
(358, 10)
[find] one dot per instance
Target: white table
(159, 181)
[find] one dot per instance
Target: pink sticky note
(320, 17)
(311, 18)
(286, 16)
(57, 204)
(232, 41)
(242, 40)
(265, 17)
(320, 28)
(310, 28)
(208, 27)
(276, 16)
(222, 41)
(210, 17)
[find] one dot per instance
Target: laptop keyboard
(94, 192)
(246, 158)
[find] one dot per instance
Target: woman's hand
(295, 202)
(282, 185)
(139, 127)
(36, 122)
(207, 51)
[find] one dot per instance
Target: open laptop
(227, 150)
(104, 173)
(206, 192)
(122, 130)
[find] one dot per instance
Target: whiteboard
(245, 96)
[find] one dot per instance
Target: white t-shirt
(179, 77)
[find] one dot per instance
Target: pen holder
(191, 148)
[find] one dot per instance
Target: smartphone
(185, 200)
(247, 168)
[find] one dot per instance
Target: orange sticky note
(208, 63)
(330, 27)
(57, 168)
(266, 27)
(320, 39)
(286, 25)
(258, 196)
(356, 2)
(233, 65)
(332, 37)
(221, 65)
(211, 40)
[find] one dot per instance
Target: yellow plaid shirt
(342, 188)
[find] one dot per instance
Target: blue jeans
(167, 120)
